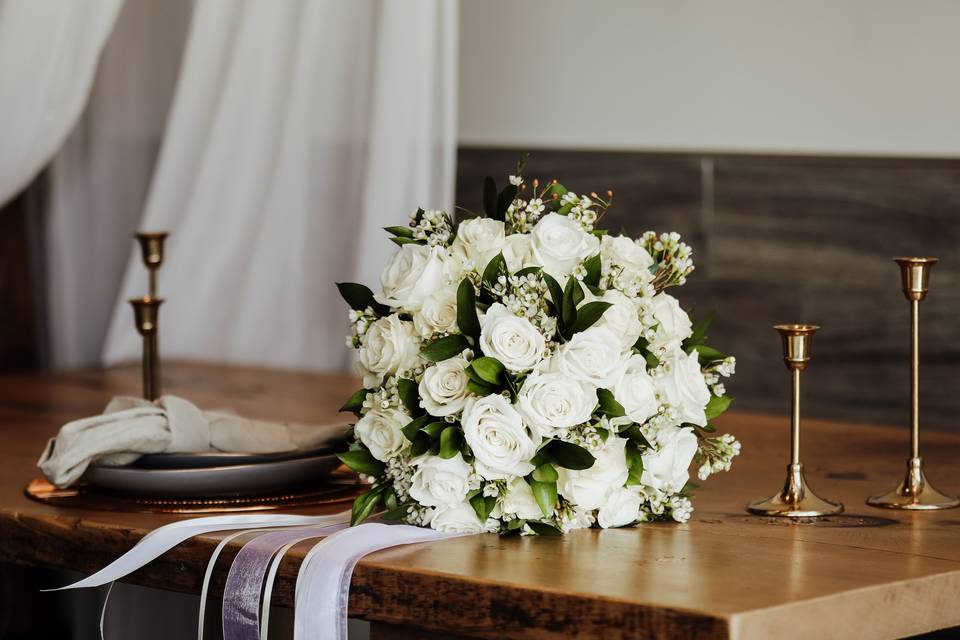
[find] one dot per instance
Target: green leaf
(609, 405)
(483, 505)
(717, 405)
(699, 331)
(545, 473)
(434, 429)
(450, 441)
(506, 198)
(588, 314)
(402, 241)
(542, 528)
(592, 265)
(421, 444)
(490, 370)
(545, 494)
(707, 354)
(556, 293)
(528, 270)
(558, 189)
(409, 395)
(494, 269)
(710, 428)
(364, 505)
(360, 297)
(467, 309)
(480, 388)
(490, 197)
(569, 455)
(641, 344)
(444, 348)
(355, 402)
(568, 308)
(634, 464)
(633, 433)
(689, 488)
(403, 232)
(361, 461)
(397, 513)
(412, 427)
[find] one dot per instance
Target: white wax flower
(682, 387)
(519, 501)
(512, 340)
(380, 431)
(558, 243)
(501, 443)
(389, 345)
(457, 519)
(593, 356)
(673, 323)
(623, 251)
(622, 507)
(667, 468)
(438, 313)
(622, 318)
(635, 390)
(438, 482)
(589, 488)
(554, 402)
(480, 240)
(443, 388)
(412, 274)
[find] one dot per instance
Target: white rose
(389, 345)
(519, 501)
(438, 313)
(683, 388)
(552, 402)
(594, 356)
(635, 390)
(673, 323)
(516, 252)
(459, 519)
(621, 508)
(666, 469)
(438, 482)
(479, 240)
(443, 388)
(380, 431)
(500, 441)
(622, 318)
(558, 243)
(412, 274)
(512, 340)
(625, 252)
(589, 488)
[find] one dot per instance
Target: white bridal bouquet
(524, 372)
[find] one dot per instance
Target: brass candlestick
(145, 313)
(151, 248)
(796, 500)
(914, 492)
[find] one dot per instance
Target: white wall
(818, 76)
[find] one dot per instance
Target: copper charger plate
(340, 486)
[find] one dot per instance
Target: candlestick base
(796, 500)
(914, 492)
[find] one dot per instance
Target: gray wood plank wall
(792, 239)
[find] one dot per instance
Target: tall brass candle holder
(914, 492)
(151, 248)
(145, 313)
(795, 500)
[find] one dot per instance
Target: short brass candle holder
(151, 249)
(145, 314)
(914, 491)
(795, 500)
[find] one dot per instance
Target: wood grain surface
(865, 574)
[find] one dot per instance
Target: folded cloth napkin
(130, 427)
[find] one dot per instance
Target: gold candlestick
(145, 314)
(914, 492)
(795, 500)
(151, 248)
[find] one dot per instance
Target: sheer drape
(297, 130)
(48, 55)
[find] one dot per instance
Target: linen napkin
(130, 427)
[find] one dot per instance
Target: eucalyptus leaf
(444, 348)
(490, 370)
(467, 318)
(545, 473)
(634, 464)
(450, 441)
(480, 388)
(361, 461)
(483, 505)
(545, 494)
(609, 405)
(569, 455)
(588, 314)
(411, 428)
(434, 429)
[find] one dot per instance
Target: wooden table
(866, 574)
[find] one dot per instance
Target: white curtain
(48, 55)
(298, 129)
